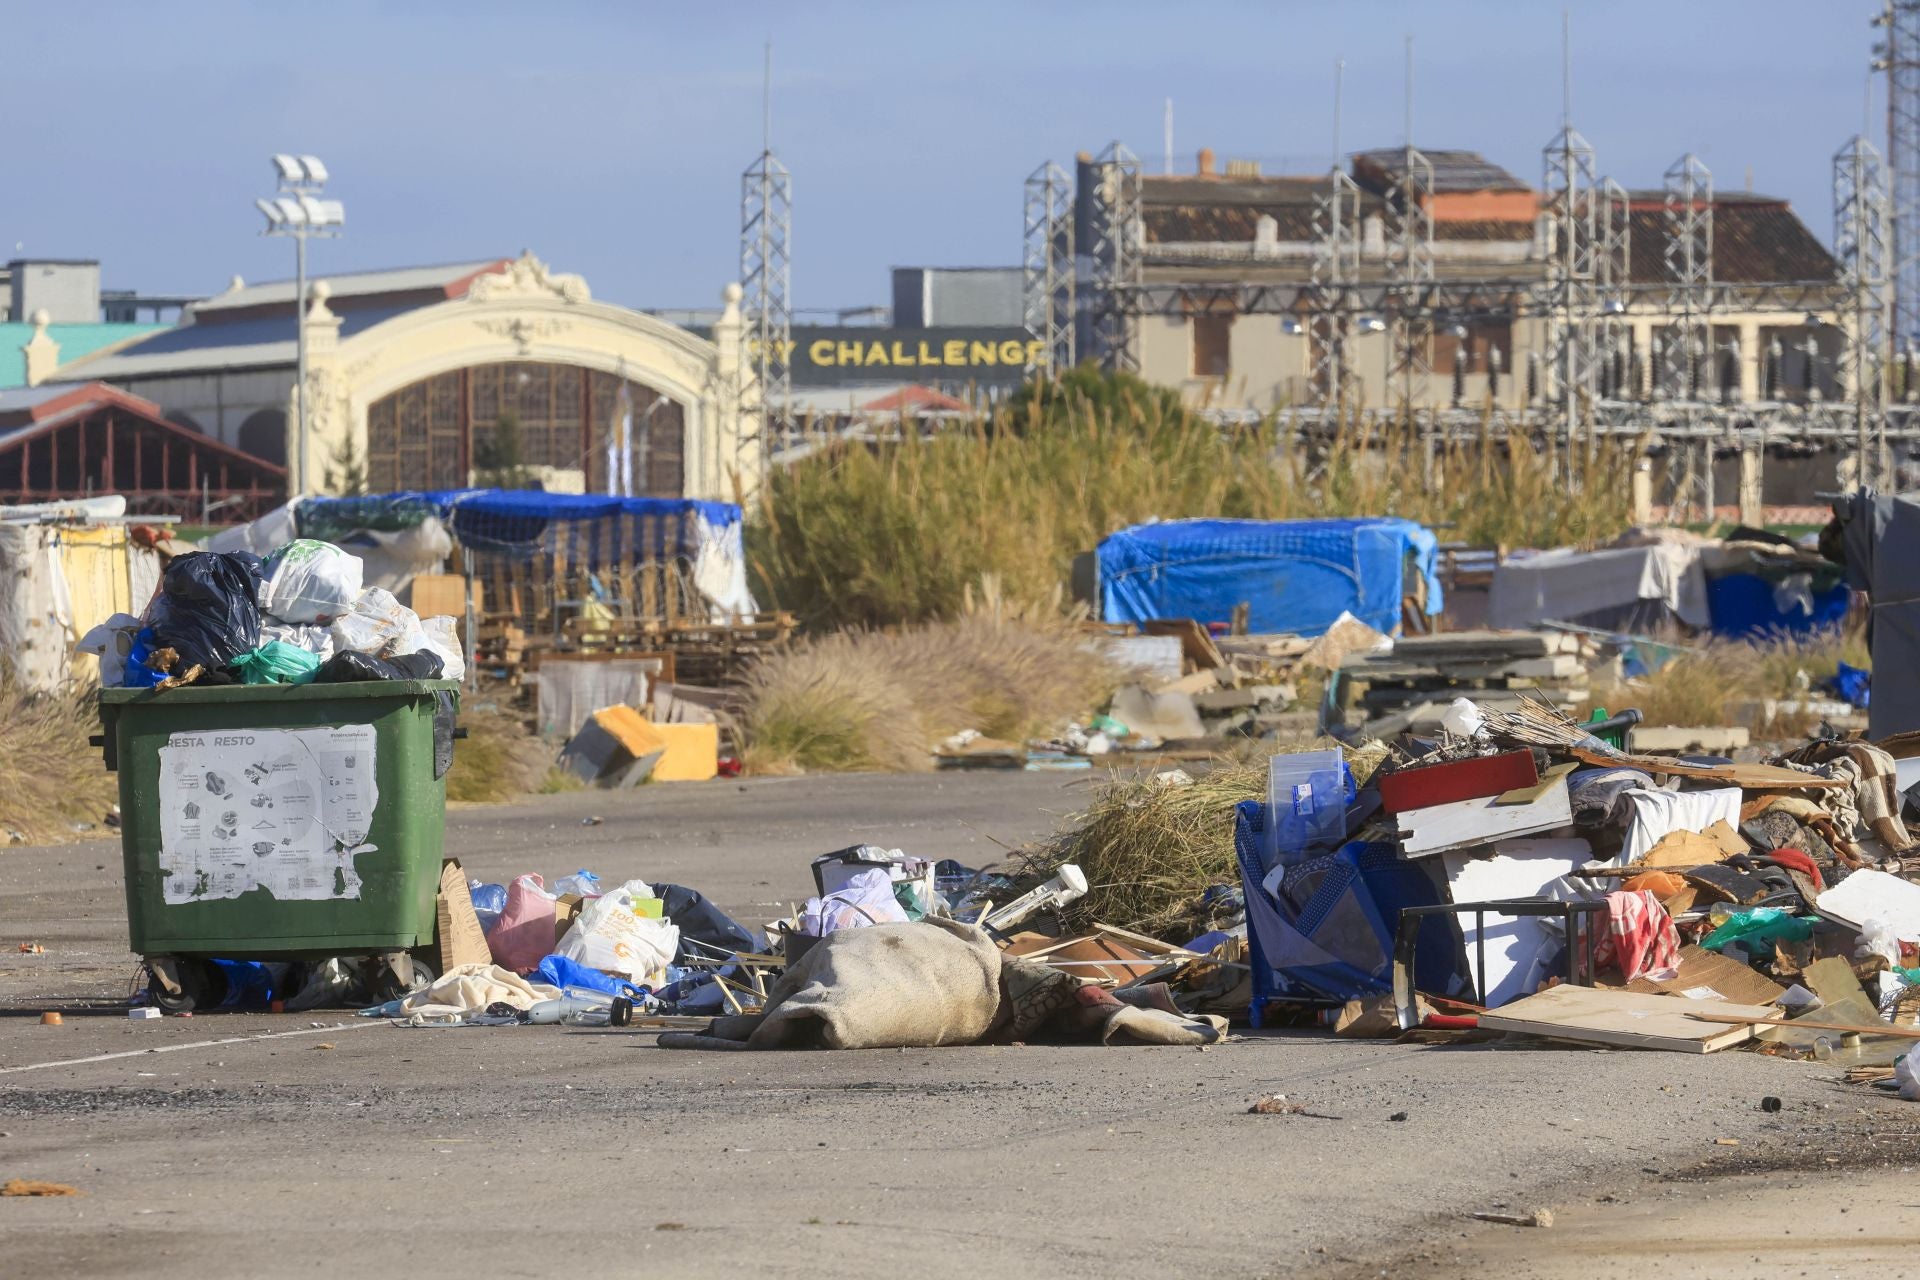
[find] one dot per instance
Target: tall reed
(877, 533)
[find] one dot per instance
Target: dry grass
(866, 700)
(1724, 682)
(879, 534)
(501, 758)
(1150, 850)
(50, 776)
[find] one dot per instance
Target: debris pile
(1410, 686)
(300, 616)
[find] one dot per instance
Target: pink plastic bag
(523, 935)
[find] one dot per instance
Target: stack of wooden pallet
(1410, 687)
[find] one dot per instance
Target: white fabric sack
(610, 936)
(1656, 814)
(311, 581)
(470, 988)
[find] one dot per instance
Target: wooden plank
(1628, 1019)
(1196, 646)
(1757, 777)
(1728, 1019)
(1466, 823)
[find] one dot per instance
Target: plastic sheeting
(56, 584)
(1599, 587)
(1297, 576)
(400, 534)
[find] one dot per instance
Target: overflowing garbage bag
(311, 582)
(207, 610)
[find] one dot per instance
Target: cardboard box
(614, 746)
(445, 594)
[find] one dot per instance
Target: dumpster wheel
(176, 984)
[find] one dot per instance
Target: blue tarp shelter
(1298, 576)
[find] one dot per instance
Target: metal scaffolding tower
(1613, 268)
(766, 265)
(1899, 57)
(1410, 276)
(1047, 266)
(1570, 186)
(1113, 258)
(1336, 264)
(1688, 254)
(1860, 246)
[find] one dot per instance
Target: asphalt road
(251, 1145)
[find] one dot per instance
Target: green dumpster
(275, 822)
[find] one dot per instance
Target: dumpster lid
(279, 692)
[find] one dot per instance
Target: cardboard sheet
(1728, 977)
(1628, 1019)
(457, 932)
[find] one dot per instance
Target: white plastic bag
(379, 626)
(441, 636)
(610, 935)
(311, 581)
(866, 898)
(1906, 1073)
(111, 642)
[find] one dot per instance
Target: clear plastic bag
(311, 581)
(442, 637)
(311, 636)
(379, 626)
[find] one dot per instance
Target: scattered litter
(143, 1014)
(32, 949)
(24, 1187)
(1537, 1218)
(51, 1019)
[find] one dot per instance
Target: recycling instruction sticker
(285, 810)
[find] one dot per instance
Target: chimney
(1205, 167)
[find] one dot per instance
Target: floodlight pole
(300, 358)
(299, 213)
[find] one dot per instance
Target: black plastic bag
(700, 922)
(208, 607)
(351, 666)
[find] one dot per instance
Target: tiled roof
(1452, 170)
(1755, 241)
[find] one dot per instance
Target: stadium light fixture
(298, 211)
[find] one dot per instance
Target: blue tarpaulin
(1298, 576)
(1750, 606)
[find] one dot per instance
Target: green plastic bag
(1757, 930)
(277, 662)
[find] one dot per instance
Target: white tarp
(285, 810)
(1555, 586)
(36, 612)
(720, 569)
(274, 529)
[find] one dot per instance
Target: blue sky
(609, 138)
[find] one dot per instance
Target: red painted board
(1431, 784)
